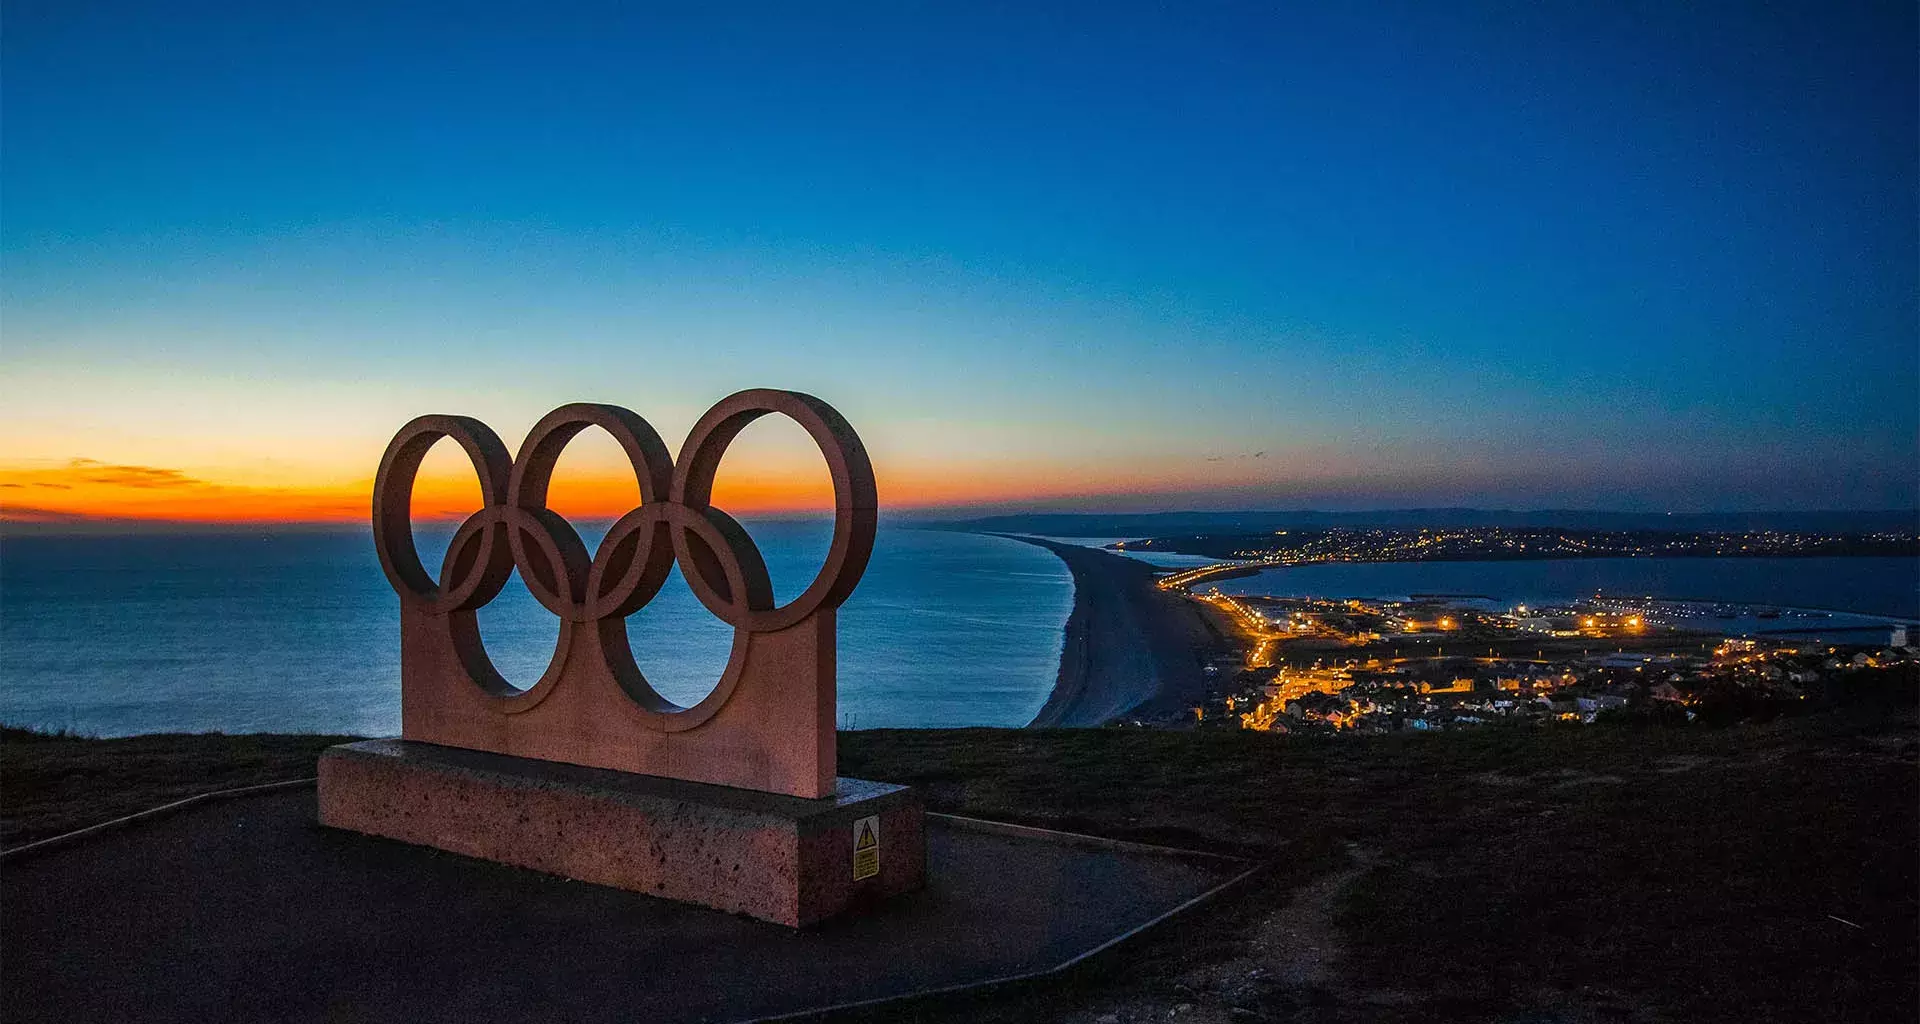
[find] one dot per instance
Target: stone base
(777, 858)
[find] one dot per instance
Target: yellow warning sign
(866, 847)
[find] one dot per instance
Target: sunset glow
(1475, 269)
(446, 490)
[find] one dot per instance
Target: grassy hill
(1757, 872)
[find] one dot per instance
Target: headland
(1615, 846)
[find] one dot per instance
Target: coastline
(1130, 649)
(1863, 586)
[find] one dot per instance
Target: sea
(299, 631)
(1868, 587)
(1841, 599)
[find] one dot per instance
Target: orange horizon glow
(767, 473)
(85, 490)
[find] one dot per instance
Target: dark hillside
(1758, 872)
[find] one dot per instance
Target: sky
(1610, 256)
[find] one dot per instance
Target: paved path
(247, 910)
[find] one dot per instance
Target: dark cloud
(11, 513)
(92, 471)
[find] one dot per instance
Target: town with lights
(1440, 662)
(1246, 554)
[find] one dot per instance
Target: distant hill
(1159, 524)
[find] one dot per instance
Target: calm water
(299, 631)
(1869, 586)
(1157, 559)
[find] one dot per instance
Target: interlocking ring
(675, 523)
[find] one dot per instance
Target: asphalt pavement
(246, 909)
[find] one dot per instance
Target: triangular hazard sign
(866, 841)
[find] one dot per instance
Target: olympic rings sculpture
(675, 523)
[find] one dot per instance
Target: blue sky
(1613, 256)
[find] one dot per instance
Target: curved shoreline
(1636, 594)
(1130, 649)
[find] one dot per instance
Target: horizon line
(90, 523)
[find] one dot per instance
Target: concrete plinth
(778, 858)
